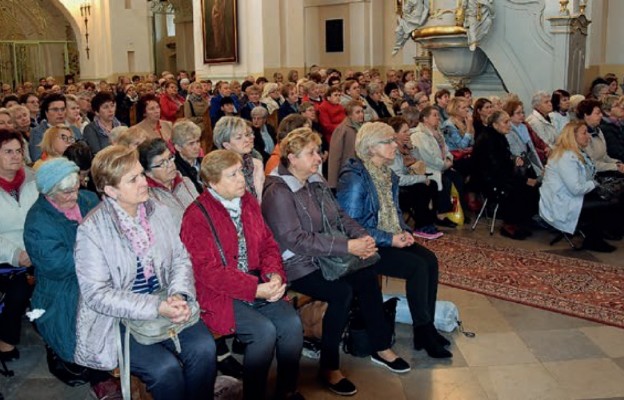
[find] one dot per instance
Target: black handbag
(355, 340)
(335, 267)
(69, 373)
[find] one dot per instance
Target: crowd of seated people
(157, 195)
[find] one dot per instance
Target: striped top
(142, 285)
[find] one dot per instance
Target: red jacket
(218, 286)
(169, 107)
(330, 116)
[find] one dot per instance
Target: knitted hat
(52, 172)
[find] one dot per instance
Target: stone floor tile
(488, 349)
(590, 378)
(560, 344)
(442, 384)
(519, 382)
(608, 338)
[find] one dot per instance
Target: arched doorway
(37, 39)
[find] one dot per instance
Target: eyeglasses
(57, 109)
(164, 163)
(67, 138)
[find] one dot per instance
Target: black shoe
(447, 223)
(424, 339)
(344, 387)
(10, 355)
(399, 365)
(611, 235)
(231, 367)
(441, 339)
(238, 347)
(597, 244)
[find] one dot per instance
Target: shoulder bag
(335, 267)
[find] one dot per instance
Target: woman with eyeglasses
(166, 184)
(233, 133)
(54, 143)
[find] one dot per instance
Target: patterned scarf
(138, 232)
(387, 217)
(437, 135)
(234, 209)
(72, 214)
(13, 187)
(248, 171)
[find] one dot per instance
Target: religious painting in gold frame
(220, 29)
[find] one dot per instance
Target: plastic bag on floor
(228, 388)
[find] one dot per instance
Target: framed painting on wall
(219, 23)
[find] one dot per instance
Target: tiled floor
(519, 353)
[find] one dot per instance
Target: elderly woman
(148, 111)
(50, 236)
(375, 102)
(171, 103)
(540, 120)
(567, 193)
(96, 133)
(343, 141)
(196, 106)
(166, 184)
(233, 133)
(368, 191)
(523, 142)
(271, 97)
(296, 199)
(352, 92)
(589, 112)
(429, 146)
(458, 129)
(264, 134)
(6, 120)
(503, 176)
(18, 192)
(612, 125)
(188, 151)
(240, 278)
(253, 93)
(417, 193)
(54, 143)
(131, 265)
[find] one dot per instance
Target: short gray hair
(67, 183)
(368, 136)
(259, 111)
(537, 98)
(225, 127)
(598, 88)
(184, 131)
(374, 88)
(410, 85)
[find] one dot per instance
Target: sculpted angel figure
(478, 20)
(415, 13)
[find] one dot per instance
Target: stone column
(569, 37)
(185, 52)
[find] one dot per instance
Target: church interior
(532, 340)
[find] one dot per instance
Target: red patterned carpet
(569, 286)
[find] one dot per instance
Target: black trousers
(419, 267)
(17, 293)
(338, 295)
(415, 199)
(520, 204)
(450, 177)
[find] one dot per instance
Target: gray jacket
(106, 269)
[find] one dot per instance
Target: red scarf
(13, 187)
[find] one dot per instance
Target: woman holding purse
(295, 202)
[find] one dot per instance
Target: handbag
(355, 340)
(69, 373)
(335, 267)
